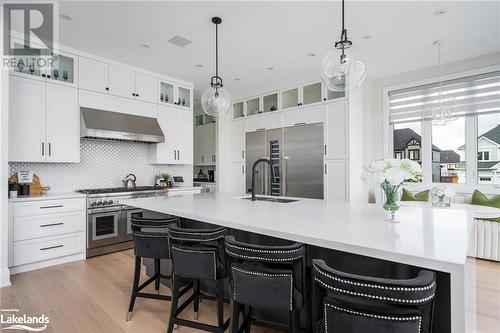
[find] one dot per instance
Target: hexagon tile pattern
(102, 164)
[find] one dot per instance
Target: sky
(452, 136)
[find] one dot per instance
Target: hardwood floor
(93, 296)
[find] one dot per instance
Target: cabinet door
(198, 145)
(26, 120)
(62, 124)
(146, 88)
(184, 137)
(237, 178)
(336, 178)
(209, 144)
(93, 75)
(263, 121)
(238, 141)
(336, 130)
(121, 82)
(302, 116)
(184, 97)
(166, 152)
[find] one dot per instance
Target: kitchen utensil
(65, 75)
(129, 181)
(35, 187)
(56, 73)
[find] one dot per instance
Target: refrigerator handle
(285, 176)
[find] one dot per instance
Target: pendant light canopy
(216, 100)
(342, 72)
(444, 110)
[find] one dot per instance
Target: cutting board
(35, 187)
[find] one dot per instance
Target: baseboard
(46, 263)
(4, 277)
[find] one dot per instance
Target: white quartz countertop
(434, 238)
(48, 196)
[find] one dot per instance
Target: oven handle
(95, 211)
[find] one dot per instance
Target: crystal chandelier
(442, 110)
(344, 72)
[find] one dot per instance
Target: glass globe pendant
(215, 100)
(341, 72)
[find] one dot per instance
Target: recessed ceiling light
(366, 37)
(179, 41)
(311, 55)
(439, 12)
(270, 68)
(65, 17)
(199, 65)
(237, 79)
(146, 46)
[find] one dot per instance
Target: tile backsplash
(102, 164)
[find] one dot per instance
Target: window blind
(473, 94)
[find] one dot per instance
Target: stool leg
(175, 303)
(157, 273)
(135, 286)
(220, 304)
(196, 303)
(293, 325)
(235, 316)
(248, 314)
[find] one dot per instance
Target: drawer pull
(260, 129)
(51, 224)
(298, 124)
(55, 206)
(51, 247)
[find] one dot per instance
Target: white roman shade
(473, 95)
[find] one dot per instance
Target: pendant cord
(217, 50)
(343, 27)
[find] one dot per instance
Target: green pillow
(479, 199)
(421, 196)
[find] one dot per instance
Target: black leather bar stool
(151, 240)
(344, 302)
(197, 254)
(267, 278)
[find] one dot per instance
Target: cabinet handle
(51, 247)
(326, 169)
(50, 149)
(175, 155)
(298, 124)
(242, 154)
(178, 155)
(136, 95)
(43, 148)
(133, 94)
(324, 98)
(260, 129)
(107, 88)
(54, 206)
(325, 150)
(43, 75)
(51, 224)
(243, 169)
(48, 76)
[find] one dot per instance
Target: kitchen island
(357, 236)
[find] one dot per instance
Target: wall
(102, 164)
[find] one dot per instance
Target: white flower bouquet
(390, 174)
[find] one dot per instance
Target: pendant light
(342, 72)
(443, 110)
(215, 100)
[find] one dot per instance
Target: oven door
(103, 227)
(126, 230)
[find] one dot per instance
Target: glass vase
(390, 205)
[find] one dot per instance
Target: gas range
(113, 196)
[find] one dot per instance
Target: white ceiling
(257, 35)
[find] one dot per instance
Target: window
(447, 152)
(448, 149)
(488, 148)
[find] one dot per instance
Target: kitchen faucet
(265, 160)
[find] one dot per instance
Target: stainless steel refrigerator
(297, 156)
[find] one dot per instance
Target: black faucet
(253, 173)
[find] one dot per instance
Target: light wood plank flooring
(93, 296)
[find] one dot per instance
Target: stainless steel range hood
(107, 125)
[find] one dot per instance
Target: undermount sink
(278, 200)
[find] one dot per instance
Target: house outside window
(483, 156)
(414, 154)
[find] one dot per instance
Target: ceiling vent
(179, 41)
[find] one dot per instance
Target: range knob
(104, 203)
(99, 203)
(110, 202)
(92, 204)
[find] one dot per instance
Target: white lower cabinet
(336, 178)
(46, 232)
(237, 178)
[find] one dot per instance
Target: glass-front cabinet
(290, 98)
(238, 110)
(270, 102)
(334, 94)
(184, 97)
(311, 93)
(253, 106)
(166, 93)
(63, 68)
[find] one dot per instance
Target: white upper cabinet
(254, 106)
(262, 122)
(26, 120)
(121, 82)
(46, 126)
(184, 137)
(146, 88)
(238, 110)
(93, 75)
(184, 97)
(62, 124)
(336, 125)
(311, 93)
(290, 98)
(238, 141)
(302, 116)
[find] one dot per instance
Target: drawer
(39, 249)
(26, 227)
(48, 207)
(305, 115)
